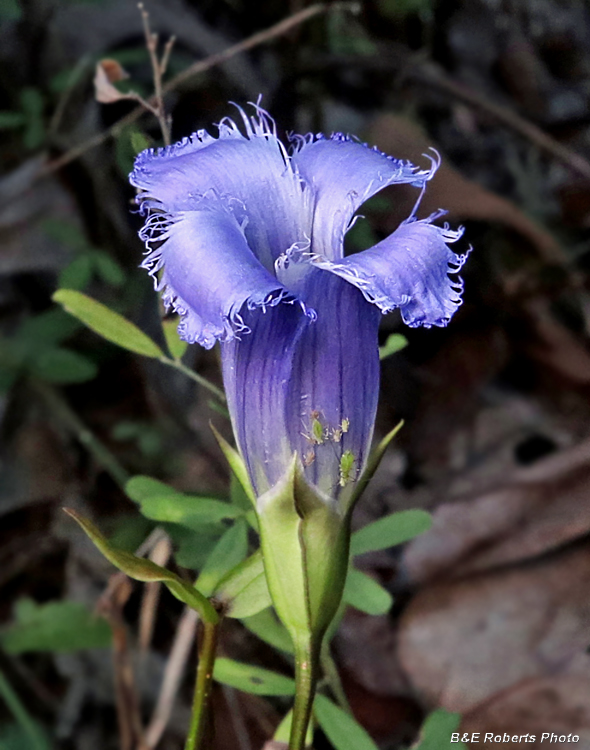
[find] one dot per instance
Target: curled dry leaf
(543, 507)
(462, 198)
(558, 705)
(463, 641)
(106, 74)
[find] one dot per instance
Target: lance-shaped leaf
(344, 732)
(395, 343)
(145, 570)
(251, 679)
(396, 528)
(162, 503)
(283, 731)
(437, 729)
(229, 551)
(363, 593)
(267, 627)
(176, 346)
(107, 323)
(243, 592)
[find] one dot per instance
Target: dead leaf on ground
(462, 642)
(449, 189)
(559, 705)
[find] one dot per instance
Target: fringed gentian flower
(245, 242)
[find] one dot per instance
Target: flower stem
(306, 673)
(203, 685)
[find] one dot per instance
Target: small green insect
(318, 432)
(347, 471)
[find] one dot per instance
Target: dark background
(491, 617)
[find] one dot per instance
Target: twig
(151, 595)
(158, 69)
(212, 61)
(128, 713)
(183, 641)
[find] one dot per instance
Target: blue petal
(251, 174)
(306, 386)
(209, 273)
(343, 174)
(408, 270)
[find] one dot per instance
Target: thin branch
(261, 37)
(175, 668)
(151, 595)
(158, 68)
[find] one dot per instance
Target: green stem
(21, 715)
(331, 673)
(84, 435)
(178, 365)
(203, 685)
(306, 673)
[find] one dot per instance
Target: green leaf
(146, 570)
(57, 626)
(269, 629)
(11, 120)
(343, 731)
(243, 591)
(193, 547)
(32, 105)
(65, 233)
(176, 346)
(107, 268)
(63, 366)
(229, 551)
(251, 679)
(162, 503)
(363, 593)
(77, 274)
(283, 731)
(27, 730)
(50, 327)
(437, 729)
(396, 528)
(237, 465)
(10, 10)
(139, 141)
(16, 737)
(107, 323)
(395, 343)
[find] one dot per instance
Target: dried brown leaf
(106, 74)
(449, 189)
(543, 507)
(462, 642)
(558, 705)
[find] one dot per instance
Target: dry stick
(151, 595)
(175, 667)
(158, 69)
(128, 713)
(432, 76)
(212, 61)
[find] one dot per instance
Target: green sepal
(243, 592)
(304, 538)
(372, 466)
(237, 465)
(141, 569)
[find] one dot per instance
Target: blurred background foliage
(490, 606)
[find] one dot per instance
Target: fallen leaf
(555, 705)
(463, 641)
(542, 507)
(449, 189)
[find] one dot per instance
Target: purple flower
(245, 242)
